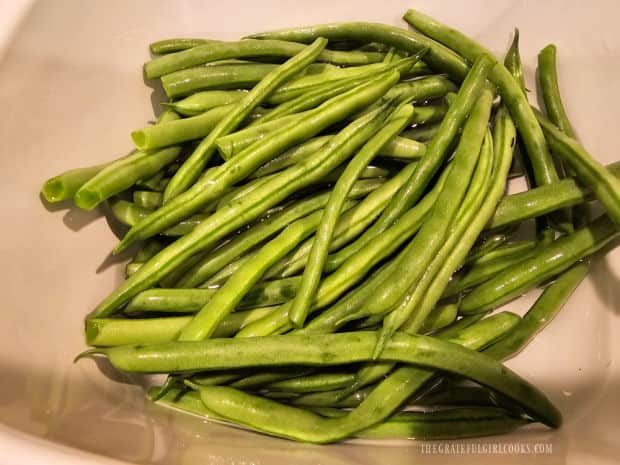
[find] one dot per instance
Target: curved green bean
(325, 230)
(548, 78)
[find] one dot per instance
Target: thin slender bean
(548, 78)
(313, 383)
(604, 185)
(439, 318)
(431, 236)
(546, 263)
(216, 260)
(227, 220)
(422, 132)
(131, 214)
(148, 249)
(108, 332)
(200, 102)
(194, 164)
(325, 230)
(436, 151)
(188, 81)
(147, 199)
(257, 154)
(201, 54)
(162, 47)
(509, 249)
(540, 315)
(191, 300)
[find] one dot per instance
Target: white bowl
(71, 89)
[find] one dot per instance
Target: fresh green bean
(463, 322)
(123, 173)
(489, 243)
(313, 383)
(546, 263)
(194, 164)
(541, 200)
(431, 236)
(130, 215)
(291, 156)
(509, 249)
(550, 89)
(320, 248)
(438, 57)
(162, 47)
(181, 130)
(540, 315)
(188, 81)
(159, 300)
(422, 132)
(110, 332)
(512, 61)
(148, 249)
(227, 220)
(226, 298)
(147, 199)
(216, 260)
(257, 154)
(65, 185)
(512, 95)
(439, 318)
(205, 53)
(436, 152)
(504, 136)
(200, 102)
(594, 175)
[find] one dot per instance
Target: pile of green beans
(325, 234)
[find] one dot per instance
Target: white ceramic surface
(71, 89)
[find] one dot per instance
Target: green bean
(463, 322)
(231, 144)
(436, 152)
(123, 173)
(504, 136)
(349, 226)
(188, 81)
(148, 249)
(182, 130)
(540, 315)
(546, 263)
(257, 154)
(227, 220)
(548, 78)
(194, 164)
(330, 89)
(431, 236)
(132, 268)
(110, 332)
(65, 185)
(438, 56)
(225, 299)
(274, 418)
(512, 95)
(439, 318)
(147, 199)
(590, 172)
(510, 249)
(291, 156)
(489, 243)
(264, 294)
(541, 200)
(320, 248)
(324, 350)
(430, 113)
(422, 132)
(205, 53)
(130, 215)
(332, 399)
(512, 62)
(176, 45)
(155, 183)
(313, 383)
(214, 261)
(200, 102)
